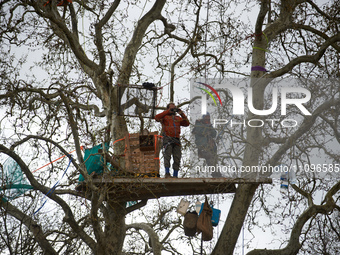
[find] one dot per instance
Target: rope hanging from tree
(54, 186)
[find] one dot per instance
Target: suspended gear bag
(190, 223)
(204, 223)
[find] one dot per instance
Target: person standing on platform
(205, 141)
(171, 125)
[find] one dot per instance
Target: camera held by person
(175, 109)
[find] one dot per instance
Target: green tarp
(94, 161)
(13, 182)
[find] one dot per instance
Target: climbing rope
(54, 186)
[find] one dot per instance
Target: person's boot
(167, 173)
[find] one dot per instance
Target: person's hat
(207, 114)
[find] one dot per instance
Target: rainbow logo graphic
(204, 99)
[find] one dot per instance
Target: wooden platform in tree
(132, 189)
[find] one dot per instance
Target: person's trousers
(172, 147)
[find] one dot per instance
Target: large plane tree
(61, 66)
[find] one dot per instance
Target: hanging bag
(190, 223)
(204, 224)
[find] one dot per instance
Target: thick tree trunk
(114, 228)
(233, 225)
(244, 193)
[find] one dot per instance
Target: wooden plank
(108, 179)
(131, 189)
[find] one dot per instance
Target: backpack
(190, 223)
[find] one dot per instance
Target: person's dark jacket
(204, 133)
